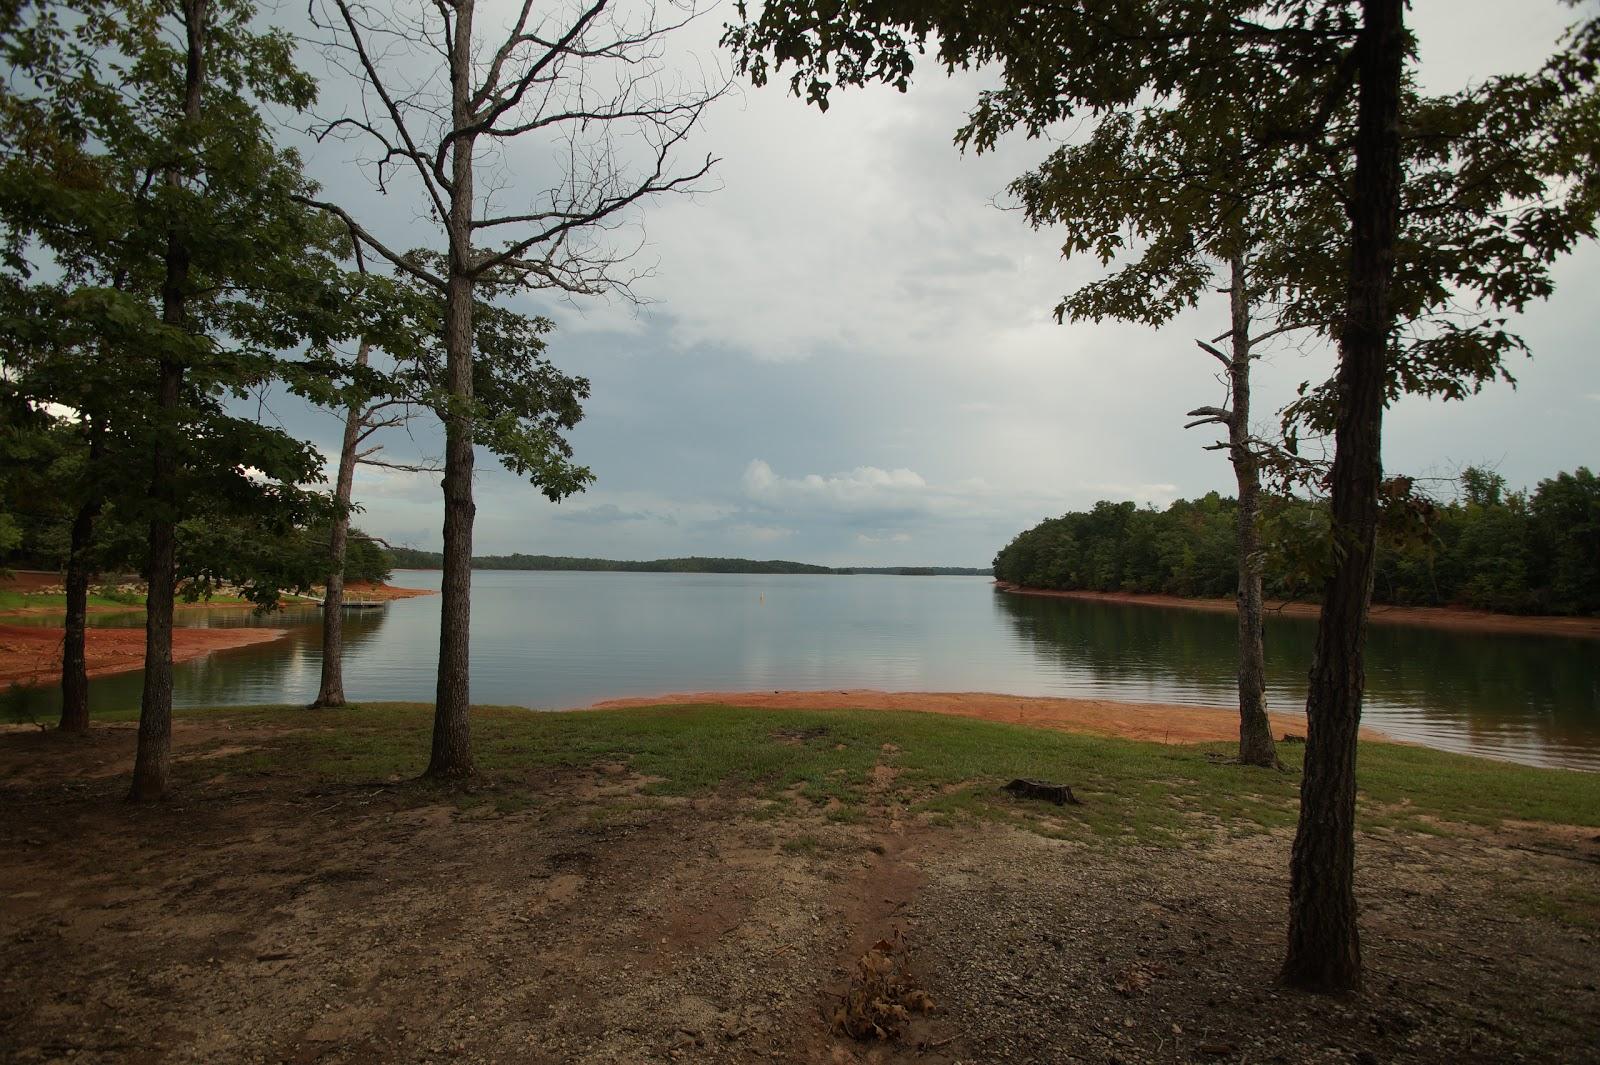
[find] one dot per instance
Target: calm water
(569, 639)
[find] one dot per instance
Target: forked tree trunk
(152, 761)
(1255, 728)
(452, 726)
(331, 691)
(1324, 950)
(74, 666)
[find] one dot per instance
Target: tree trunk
(153, 758)
(331, 691)
(74, 668)
(1324, 950)
(1255, 728)
(452, 727)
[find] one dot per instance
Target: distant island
(407, 558)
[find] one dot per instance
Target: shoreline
(1460, 619)
(30, 655)
(33, 581)
(1149, 722)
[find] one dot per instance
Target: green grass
(950, 768)
(1573, 906)
(10, 599)
(14, 600)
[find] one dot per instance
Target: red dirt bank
(31, 654)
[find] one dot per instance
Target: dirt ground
(374, 590)
(1437, 617)
(31, 654)
(1156, 722)
(255, 919)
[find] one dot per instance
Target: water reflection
(285, 670)
(1525, 697)
(569, 639)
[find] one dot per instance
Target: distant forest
(407, 558)
(1513, 552)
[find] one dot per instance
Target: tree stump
(1060, 794)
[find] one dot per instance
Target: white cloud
(863, 488)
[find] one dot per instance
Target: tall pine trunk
(1324, 950)
(452, 726)
(152, 761)
(1255, 728)
(331, 691)
(74, 665)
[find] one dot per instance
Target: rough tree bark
(1324, 950)
(152, 761)
(74, 668)
(1255, 728)
(330, 693)
(452, 727)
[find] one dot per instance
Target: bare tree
(1255, 727)
(589, 83)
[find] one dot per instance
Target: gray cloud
(849, 354)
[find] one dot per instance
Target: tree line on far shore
(1488, 548)
(410, 558)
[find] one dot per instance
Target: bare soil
(1155, 722)
(255, 919)
(380, 592)
(31, 654)
(1438, 617)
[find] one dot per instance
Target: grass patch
(15, 600)
(11, 600)
(1572, 906)
(950, 768)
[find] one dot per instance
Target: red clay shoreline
(31, 654)
(1151, 722)
(1440, 617)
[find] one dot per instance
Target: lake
(553, 640)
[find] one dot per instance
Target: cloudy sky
(847, 352)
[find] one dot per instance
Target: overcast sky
(848, 353)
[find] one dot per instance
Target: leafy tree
(1565, 512)
(1489, 549)
(156, 237)
(1222, 69)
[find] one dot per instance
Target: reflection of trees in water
(264, 672)
(285, 669)
(1121, 643)
(1548, 686)
(1545, 689)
